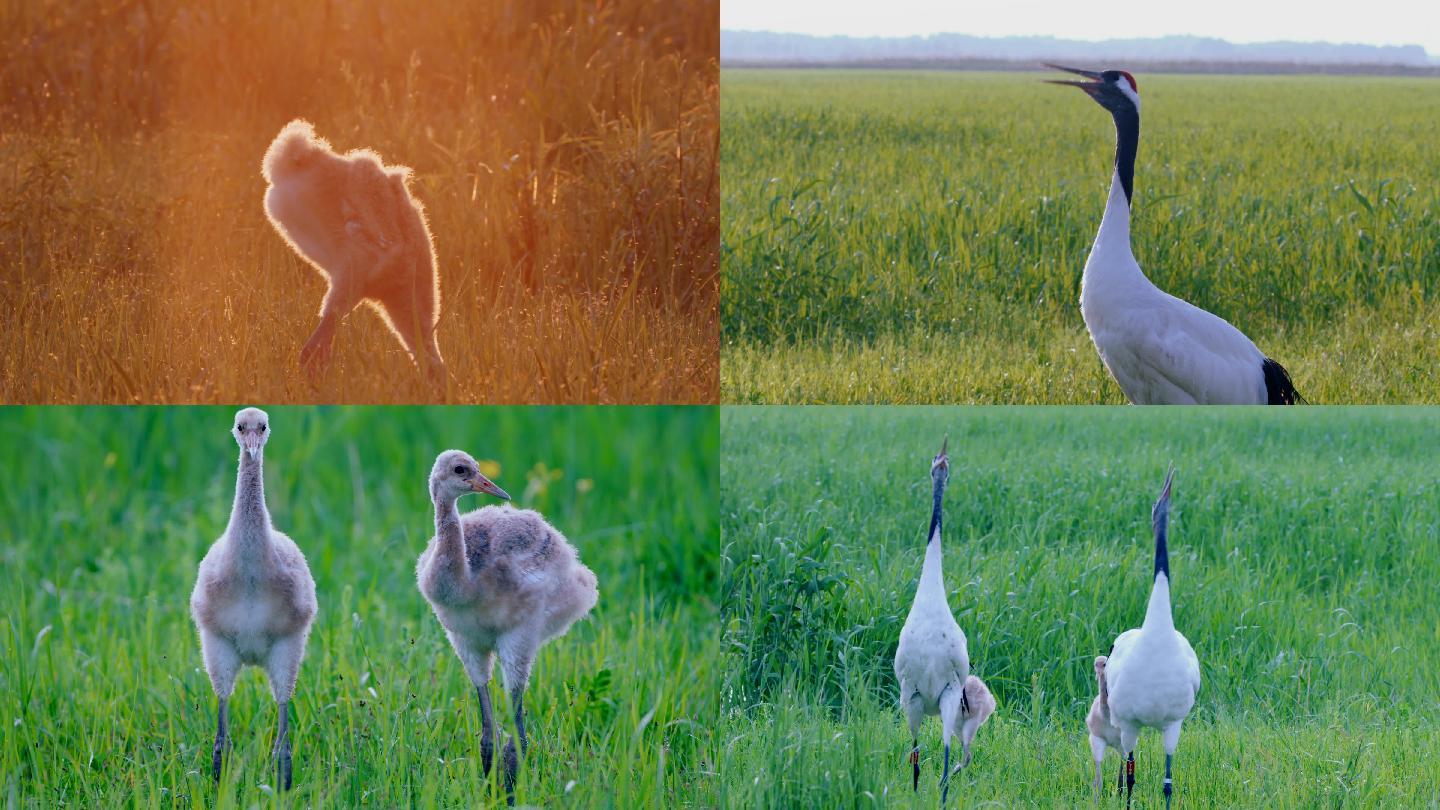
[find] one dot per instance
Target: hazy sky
(1377, 22)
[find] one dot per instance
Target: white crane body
(1153, 674)
(932, 656)
(1160, 349)
(932, 660)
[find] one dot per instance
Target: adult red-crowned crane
(931, 662)
(1160, 349)
(1152, 672)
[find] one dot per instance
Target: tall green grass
(919, 237)
(105, 513)
(1304, 550)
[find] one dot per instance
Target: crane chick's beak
(250, 440)
(1090, 87)
(484, 485)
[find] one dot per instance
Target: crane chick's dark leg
(915, 764)
(1129, 777)
(1168, 789)
(487, 729)
(222, 738)
(282, 748)
(512, 769)
(520, 723)
(512, 757)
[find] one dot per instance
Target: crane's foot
(915, 768)
(487, 754)
(217, 757)
(283, 766)
(512, 767)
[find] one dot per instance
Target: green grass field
(106, 513)
(1304, 550)
(907, 237)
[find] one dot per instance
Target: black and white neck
(932, 579)
(1158, 613)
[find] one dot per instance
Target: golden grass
(565, 153)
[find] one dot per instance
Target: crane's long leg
(1129, 777)
(914, 715)
(222, 737)
(945, 775)
(512, 759)
(479, 664)
(487, 729)
(968, 727)
(283, 666)
(222, 663)
(517, 653)
(915, 765)
(282, 747)
(1167, 782)
(520, 723)
(341, 300)
(1097, 753)
(951, 701)
(1172, 739)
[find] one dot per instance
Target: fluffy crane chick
(254, 598)
(503, 582)
(979, 704)
(353, 218)
(1103, 731)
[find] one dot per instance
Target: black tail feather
(1279, 390)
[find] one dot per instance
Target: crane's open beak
(1090, 87)
(484, 485)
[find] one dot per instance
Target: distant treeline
(1174, 53)
(1137, 66)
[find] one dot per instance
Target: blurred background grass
(565, 152)
(106, 512)
(918, 237)
(1304, 546)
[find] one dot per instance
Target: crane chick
(1103, 732)
(353, 218)
(254, 598)
(977, 707)
(502, 581)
